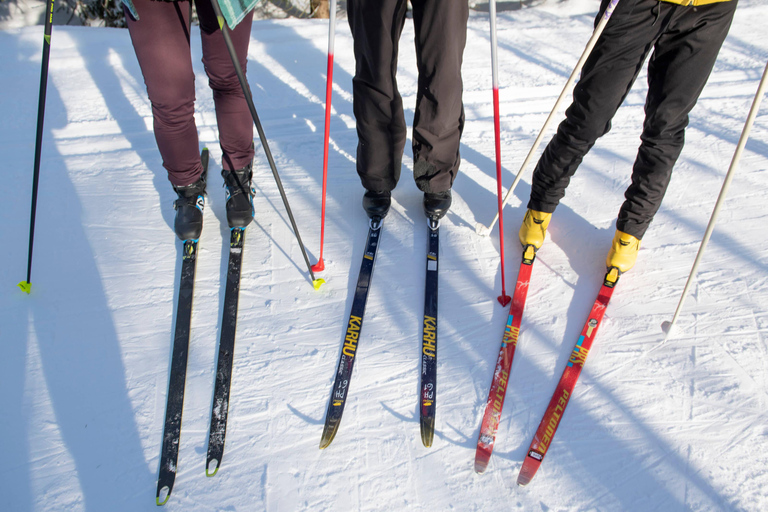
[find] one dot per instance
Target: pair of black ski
(175, 404)
(428, 395)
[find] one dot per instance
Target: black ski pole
(27, 285)
(249, 99)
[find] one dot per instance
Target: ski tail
(428, 396)
(340, 389)
(556, 408)
(492, 415)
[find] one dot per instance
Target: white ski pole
(483, 230)
(668, 326)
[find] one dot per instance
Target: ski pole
(320, 265)
(249, 99)
(503, 298)
(483, 230)
(668, 326)
(26, 286)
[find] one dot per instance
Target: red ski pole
(320, 265)
(503, 298)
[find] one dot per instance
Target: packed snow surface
(84, 359)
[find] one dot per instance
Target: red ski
(493, 406)
(551, 420)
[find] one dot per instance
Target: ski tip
(482, 230)
(427, 436)
(530, 467)
(25, 287)
(319, 266)
(162, 495)
(483, 455)
(317, 283)
(212, 468)
(329, 432)
(481, 461)
(427, 428)
(504, 299)
(204, 159)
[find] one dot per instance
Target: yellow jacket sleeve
(694, 2)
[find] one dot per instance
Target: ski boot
(532, 232)
(189, 209)
(622, 254)
(376, 204)
(436, 204)
(240, 194)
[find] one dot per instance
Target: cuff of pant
(540, 207)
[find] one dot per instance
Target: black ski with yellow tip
(220, 407)
(175, 402)
(354, 325)
(428, 394)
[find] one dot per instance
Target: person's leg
(681, 63)
(606, 78)
(376, 27)
(441, 34)
(232, 114)
(161, 41)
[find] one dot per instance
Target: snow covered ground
(84, 359)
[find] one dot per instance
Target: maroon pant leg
(232, 114)
(161, 41)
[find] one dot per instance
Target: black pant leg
(376, 27)
(606, 78)
(681, 63)
(441, 35)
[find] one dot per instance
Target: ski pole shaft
(26, 285)
(503, 298)
(249, 99)
(584, 56)
(320, 265)
(723, 191)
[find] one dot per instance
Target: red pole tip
(504, 299)
(318, 267)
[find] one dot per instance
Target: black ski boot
(436, 204)
(376, 204)
(239, 196)
(189, 209)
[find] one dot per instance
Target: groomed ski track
(84, 359)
